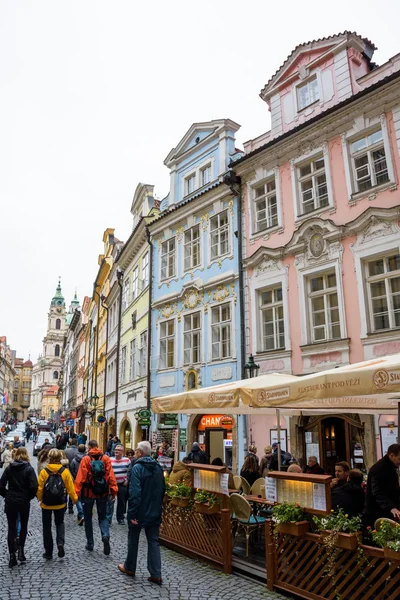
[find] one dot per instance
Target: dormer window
(191, 184)
(307, 93)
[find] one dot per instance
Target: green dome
(58, 299)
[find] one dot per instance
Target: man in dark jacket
(197, 455)
(109, 444)
(74, 468)
(350, 496)
(313, 467)
(383, 490)
(70, 453)
(146, 493)
(17, 442)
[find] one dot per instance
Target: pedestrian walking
(96, 481)
(43, 459)
(17, 442)
(18, 486)
(55, 482)
(109, 444)
(7, 455)
(383, 490)
(146, 493)
(197, 455)
(74, 472)
(120, 465)
(70, 454)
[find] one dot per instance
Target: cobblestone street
(92, 575)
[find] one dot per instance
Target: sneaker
(106, 544)
(81, 521)
(61, 551)
(90, 548)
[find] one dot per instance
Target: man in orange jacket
(96, 481)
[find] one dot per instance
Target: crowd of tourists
(73, 474)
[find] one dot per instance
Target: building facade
(321, 211)
(195, 328)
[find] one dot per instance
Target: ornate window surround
(262, 175)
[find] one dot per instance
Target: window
(192, 248)
(312, 185)
(191, 184)
(221, 331)
(324, 308)
(135, 283)
(167, 344)
(307, 93)
(266, 210)
(123, 365)
(145, 270)
(191, 338)
(143, 353)
(272, 320)
(205, 175)
(132, 367)
(125, 294)
(383, 282)
(219, 235)
(55, 374)
(369, 161)
(58, 323)
(57, 350)
(168, 259)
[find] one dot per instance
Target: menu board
(211, 481)
(270, 489)
(319, 496)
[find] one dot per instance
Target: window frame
(169, 253)
(145, 270)
(261, 308)
(167, 338)
(143, 354)
(124, 352)
(135, 283)
(185, 245)
(266, 197)
(385, 277)
(312, 176)
(368, 151)
(125, 293)
(219, 307)
(202, 170)
(188, 178)
(304, 83)
(228, 228)
(190, 333)
(325, 293)
(132, 359)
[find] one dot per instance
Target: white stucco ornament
(317, 245)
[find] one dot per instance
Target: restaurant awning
(369, 386)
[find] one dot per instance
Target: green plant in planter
(388, 536)
(288, 512)
(204, 497)
(180, 490)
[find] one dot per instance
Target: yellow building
(50, 402)
(22, 388)
(134, 262)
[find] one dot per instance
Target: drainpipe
(233, 181)
(102, 298)
(149, 321)
(97, 335)
(120, 276)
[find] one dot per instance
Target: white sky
(94, 94)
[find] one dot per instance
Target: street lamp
(251, 368)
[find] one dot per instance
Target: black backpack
(54, 492)
(99, 484)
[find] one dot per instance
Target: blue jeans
(18, 525)
(79, 507)
(101, 505)
(153, 549)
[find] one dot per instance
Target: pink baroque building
(321, 227)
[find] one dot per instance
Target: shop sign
(144, 422)
(226, 420)
(182, 437)
(170, 419)
(101, 419)
(69, 422)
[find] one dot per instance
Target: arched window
(58, 323)
(57, 350)
(55, 375)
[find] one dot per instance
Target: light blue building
(195, 318)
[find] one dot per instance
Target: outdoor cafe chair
(245, 519)
(256, 487)
(245, 486)
(379, 522)
(238, 482)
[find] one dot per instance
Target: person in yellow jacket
(55, 483)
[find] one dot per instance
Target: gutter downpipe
(233, 181)
(149, 329)
(120, 276)
(102, 298)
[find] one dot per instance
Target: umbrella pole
(278, 430)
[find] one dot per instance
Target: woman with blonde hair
(43, 459)
(55, 482)
(7, 455)
(18, 486)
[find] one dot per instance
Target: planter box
(165, 499)
(180, 501)
(391, 554)
(206, 509)
(347, 541)
(296, 529)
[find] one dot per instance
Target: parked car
(42, 437)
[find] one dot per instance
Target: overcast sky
(93, 96)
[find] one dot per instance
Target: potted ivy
(340, 530)
(180, 494)
(290, 519)
(206, 503)
(387, 536)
